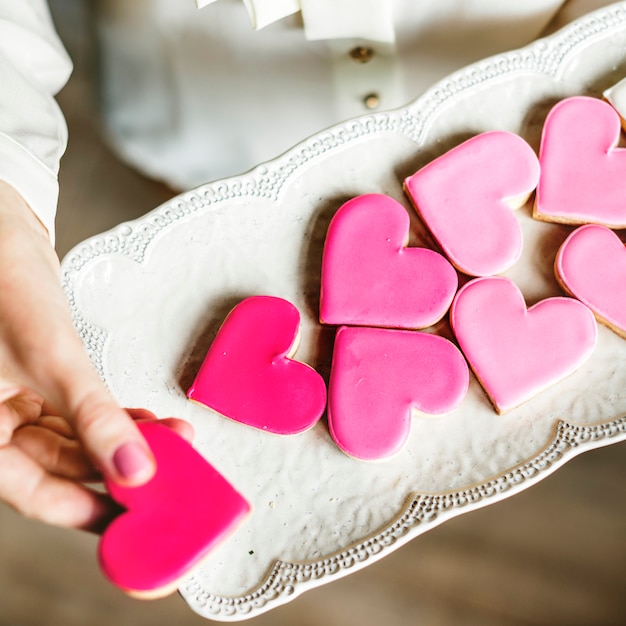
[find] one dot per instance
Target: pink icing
(591, 265)
(464, 197)
(583, 172)
(379, 376)
(370, 277)
(172, 522)
(517, 352)
(248, 375)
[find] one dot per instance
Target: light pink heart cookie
(465, 199)
(379, 376)
(249, 376)
(370, 277)
(517, 352)
(591, 266)
(172, 522)
(583, 173)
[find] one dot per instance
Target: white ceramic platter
(148, 297)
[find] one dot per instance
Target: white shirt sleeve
(34, 66)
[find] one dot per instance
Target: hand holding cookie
(59, 426)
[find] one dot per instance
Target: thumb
(112, 439)
(109, 434)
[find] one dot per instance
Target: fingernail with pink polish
(132, 462)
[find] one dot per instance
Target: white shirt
(194, 94)
(33, 135)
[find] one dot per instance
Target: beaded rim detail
(423, 512)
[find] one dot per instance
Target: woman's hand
(59, 426)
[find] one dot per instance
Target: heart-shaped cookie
(583, 173)
(465, 199)
(591, 266)
(379, 376)
(370, 277)
(515, 351)
(172, 522)
(249, 376)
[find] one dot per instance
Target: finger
(30, 490)
(143, 415)
(56, 454)
(9, 422)
(111, 437)
(57, 424)
(108, 433)
(42, 446)
(15, 411)
(7, 390)
(181, 427)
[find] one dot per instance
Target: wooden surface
(556, 554)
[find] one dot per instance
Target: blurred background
(555, 554)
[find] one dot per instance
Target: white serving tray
(148, 296)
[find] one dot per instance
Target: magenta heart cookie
(465, 199)
(591, 266)
(249, 376)
(379, 376)
(172, 522)
(583, 173)
(370, 277)
(515, 351)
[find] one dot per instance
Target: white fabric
(326, 19)
(196, 95)
(348, 19)
(33, 135)
(264, 12)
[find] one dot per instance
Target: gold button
(361, 54)
(371, 100)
